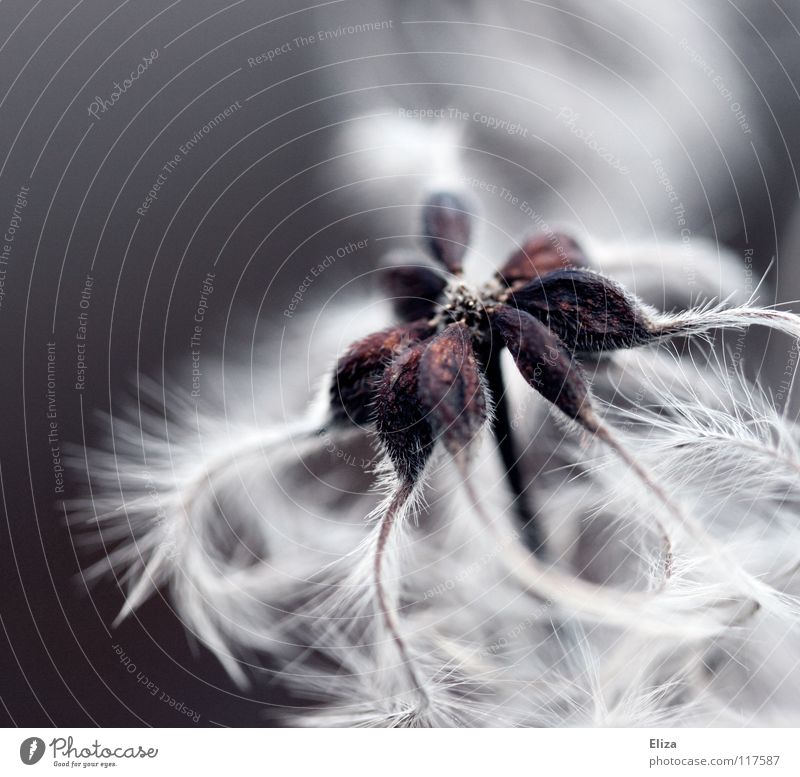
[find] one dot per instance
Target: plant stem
(503, 432)
(399, 499)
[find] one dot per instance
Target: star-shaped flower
(435, 378)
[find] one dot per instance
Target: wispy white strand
(703, 319)
(299, 586)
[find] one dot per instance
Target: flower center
(462, 303)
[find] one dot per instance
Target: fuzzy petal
(543, 361)
(400, 418)
(414, 290)
(587, 311)
(352, 390)
(451, 389)
(447, 226)
(540, 254)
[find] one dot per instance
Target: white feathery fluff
(261, 533)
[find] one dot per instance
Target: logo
(31, 750)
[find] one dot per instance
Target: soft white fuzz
(261, 554)
(262, 534)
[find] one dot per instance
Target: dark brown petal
(400, 419)
(447, 227)
(540, 254)
(586, 310)
(544, 362)
(450, 388)
(414, 290)
(353, 385)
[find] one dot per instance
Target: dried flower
(433, 378)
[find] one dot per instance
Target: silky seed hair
(436, 381)
(433, 389)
